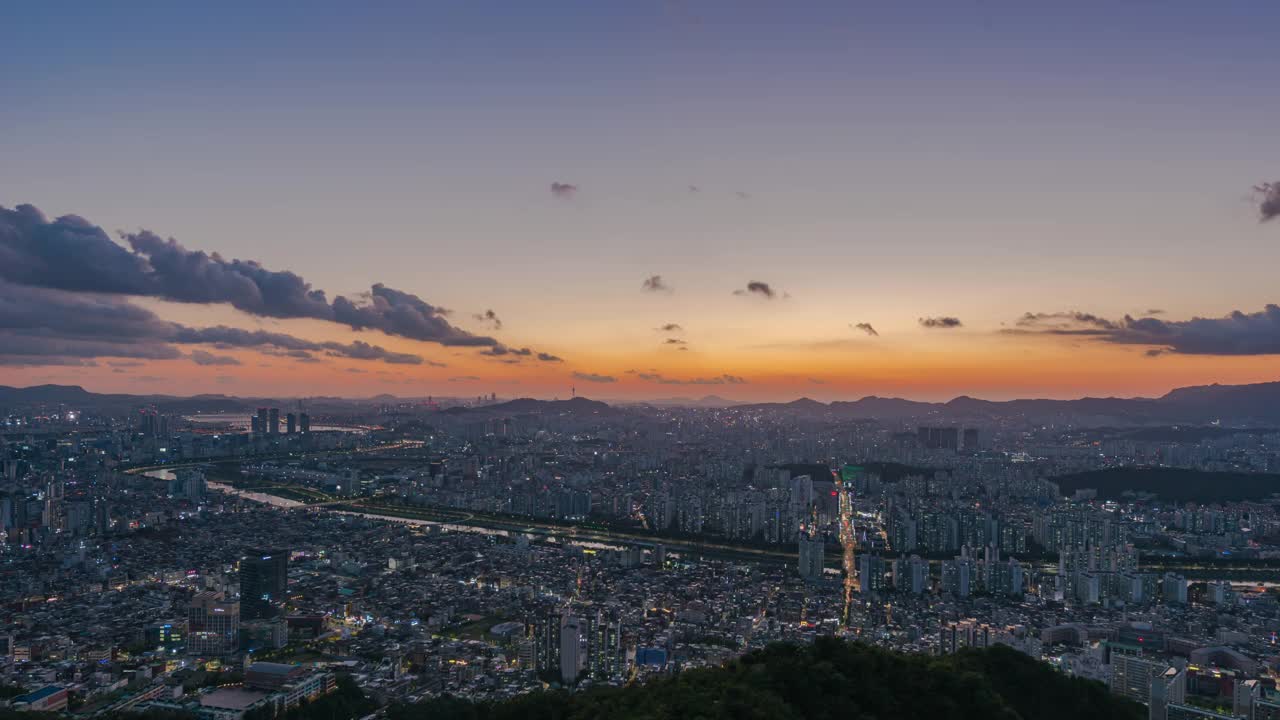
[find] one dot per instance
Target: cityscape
(642, 360)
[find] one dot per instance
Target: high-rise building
(262, 421)
(213, 625)
(570, 649)
(304, 423)
(273, 422)
(871, 573)
(291, 424)
(264, 580)
(812, 557)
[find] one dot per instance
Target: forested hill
(829, 679)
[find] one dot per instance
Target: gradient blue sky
(977, 159)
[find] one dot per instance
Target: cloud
(661, 379)
(124, 363)
(1064, 320)
(695, 189)
(490, 317)
(1155, 311)
(72, 254)
(1268, 200)
(675, 341)
(593, 377)
(742, 195)
(1237, 333)
(356, 370)
(511, 354)
(229, 337)
(48, 360)
(548, 357)
(200, 357)
(564, 191)
(54, 323)
(866, 328)
(940, 322)
(756, 287)
(464, 378)
(817, 381)
(670, 327)
(655, 284)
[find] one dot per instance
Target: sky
(1019, 199)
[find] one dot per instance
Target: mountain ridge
(1254, 402)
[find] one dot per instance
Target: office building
(264, 579)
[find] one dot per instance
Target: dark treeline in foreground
(829, 679)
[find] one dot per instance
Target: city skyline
(663, 200)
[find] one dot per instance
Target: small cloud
(200, 357)
(695, 189)
(564, 191)
(146, 378)
(940, 322)
(817, 381)
(593, 377)
(675, 341)
(548, 357)
(1155, 311)
(1268, 200)
(670, 328)
(866, 328)
(655, 284)
(742, 195)
(489, 317)
(357, 371)
(503, 350)
(125, 363)
(464, 378)
(757, 287)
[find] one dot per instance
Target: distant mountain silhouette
(1238, 404)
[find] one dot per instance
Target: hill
(1222, 405)
(1172, 484)
(826, 680)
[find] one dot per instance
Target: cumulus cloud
(866, 328)
(655, 284)
(548, 357)
(1237, 333)
(674, 341)
(200, 357)
(661, 379)
(564, 191)
(43, 322)
(1268, 200)
(490, 317)
(71, 254)
(756, 287)
(593, 377)
(940, 322)
(670, 328)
